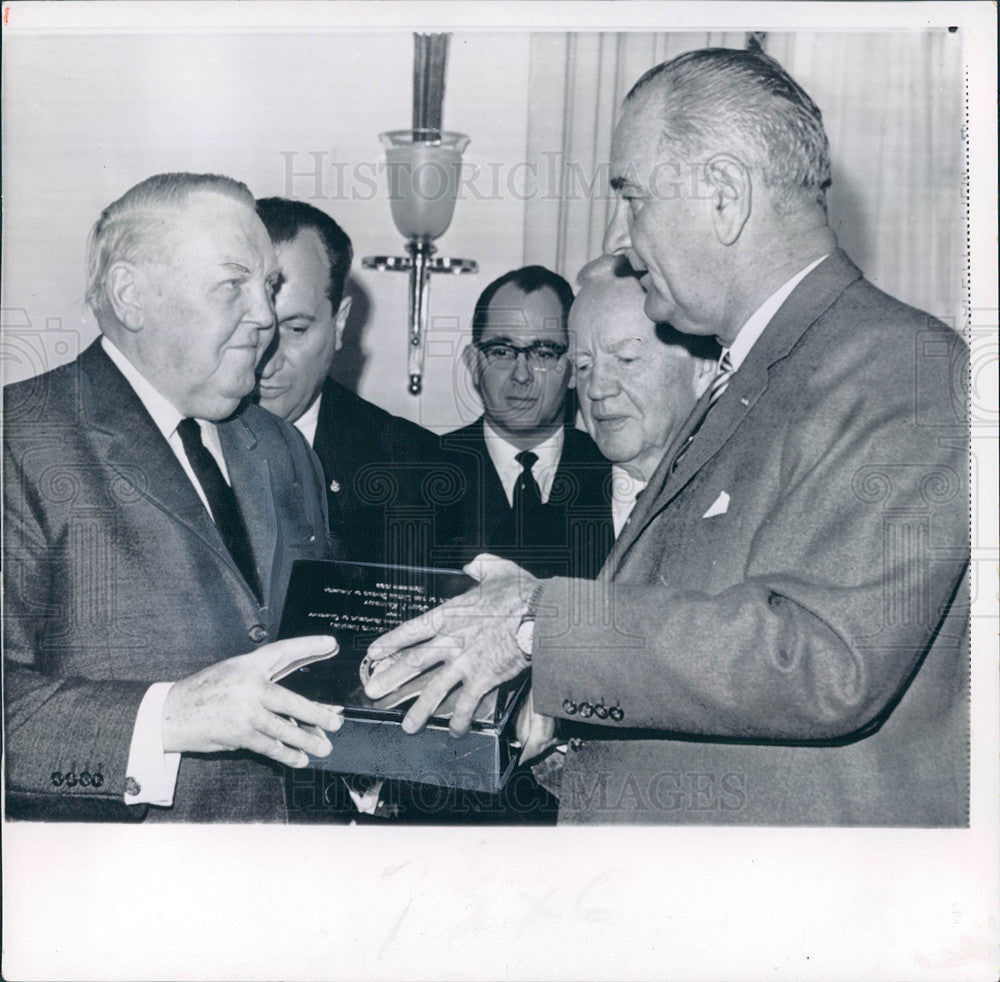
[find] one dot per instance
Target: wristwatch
(525, 635)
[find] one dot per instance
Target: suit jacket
(376, 466)
(116, 577)
(575, 531)
(799, 658)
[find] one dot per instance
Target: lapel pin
(746, 402)
(335, 486)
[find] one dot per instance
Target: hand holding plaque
(473, 635)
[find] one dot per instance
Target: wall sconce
(424, 167)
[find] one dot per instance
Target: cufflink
(132, 787)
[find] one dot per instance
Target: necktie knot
(190, 433)
(526, 459)
(723, 376)
(527, 493)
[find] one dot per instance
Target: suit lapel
(136, 449)
(807, 302)
(138, 453)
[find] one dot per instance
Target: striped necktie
(720, 382)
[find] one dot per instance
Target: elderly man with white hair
(151, 520)
(636, 381)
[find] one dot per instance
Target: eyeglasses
(541, 356)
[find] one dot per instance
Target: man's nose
(602, 383)
(522, 370)
(616, 236)
(260, 306)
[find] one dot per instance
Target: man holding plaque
(778, 634)
(151, 520)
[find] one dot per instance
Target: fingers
(280, 656)
(284, 702)
(408, 633)
(409, 665)
(271, 747)
(465, 706)
(286, 732)
(434, 694)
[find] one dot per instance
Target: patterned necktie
(222, 502)
(527, 493)
(720, 382)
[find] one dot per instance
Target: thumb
(282, 657)
(486, 564)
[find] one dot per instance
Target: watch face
(525, 637)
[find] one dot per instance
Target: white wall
(87, 116)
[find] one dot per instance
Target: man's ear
(730, 192)
(470, 357)
(340, 322)
(123, 286)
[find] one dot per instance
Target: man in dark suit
(151, 519)
(778, 634)
(537, 490)
(375, 464)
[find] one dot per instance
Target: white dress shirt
(761, 317)
(306, 424)
(153, 769)
(504, 457)
(624, 490)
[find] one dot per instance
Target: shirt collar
(624, 490)
(762, 316)
(504, 457)
(306, 424)
(162, 410)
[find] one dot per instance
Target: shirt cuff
(151, 771)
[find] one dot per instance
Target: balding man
(777, 635)
(151, 520)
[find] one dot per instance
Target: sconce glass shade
(424, 169)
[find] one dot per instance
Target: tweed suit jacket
(116, 577)
(778, 636)
(575, 532)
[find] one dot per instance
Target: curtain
(893, 109)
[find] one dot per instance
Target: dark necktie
(527, 494)
(222, 502)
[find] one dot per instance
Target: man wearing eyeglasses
(538, 490)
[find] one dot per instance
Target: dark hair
(717, 99)
(285, 218)
(528, 279)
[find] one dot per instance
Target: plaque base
(356, 603)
